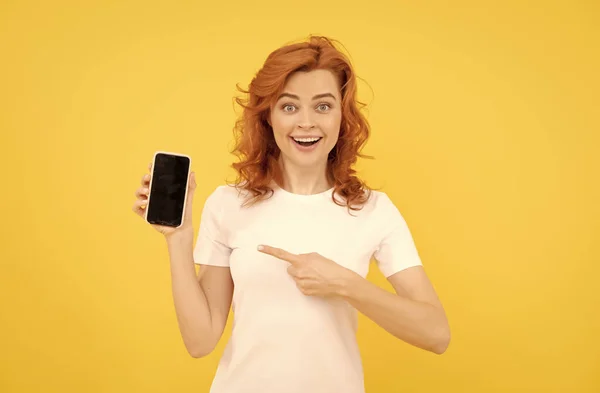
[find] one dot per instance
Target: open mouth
(306, 141)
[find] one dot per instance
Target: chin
(304, 162)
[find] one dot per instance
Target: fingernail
(260, 248)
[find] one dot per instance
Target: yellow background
(485, 133)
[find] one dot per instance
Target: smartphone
(168, 189)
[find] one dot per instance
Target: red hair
(255, 143)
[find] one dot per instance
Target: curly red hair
(255, 144)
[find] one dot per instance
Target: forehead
(309, 84)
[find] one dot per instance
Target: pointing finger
(279, 253)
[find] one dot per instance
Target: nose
(305, 121)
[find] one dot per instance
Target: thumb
(192, 185)
(190, 196)
(193, 180)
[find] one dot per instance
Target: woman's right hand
(141, 202)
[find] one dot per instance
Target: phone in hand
(168, 189)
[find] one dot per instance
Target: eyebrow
(295, 97)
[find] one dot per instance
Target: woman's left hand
(314, 274)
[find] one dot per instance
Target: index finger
(279, 253)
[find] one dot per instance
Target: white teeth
(306, 139)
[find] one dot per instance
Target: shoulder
(374, 202)
(379, 198)
(226, 196)
(224, 193)
(379, 202)
(381, 210)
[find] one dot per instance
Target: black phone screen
(168, 190)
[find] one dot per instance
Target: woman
(289, 245)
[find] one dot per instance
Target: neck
(303, 181)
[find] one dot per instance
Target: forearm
(191, 305)
(420, 324)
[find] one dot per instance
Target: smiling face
(306, 118)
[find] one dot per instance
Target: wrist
(179, 236)
(348, 284)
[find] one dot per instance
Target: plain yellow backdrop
(485, 135)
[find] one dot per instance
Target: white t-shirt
(282, 340)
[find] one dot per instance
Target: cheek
(331, 126)
(281, 126)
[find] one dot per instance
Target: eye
(324, 107)
(288, 108)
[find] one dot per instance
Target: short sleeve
(211, 247)
(396, 250)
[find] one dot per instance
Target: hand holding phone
(166, 194)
